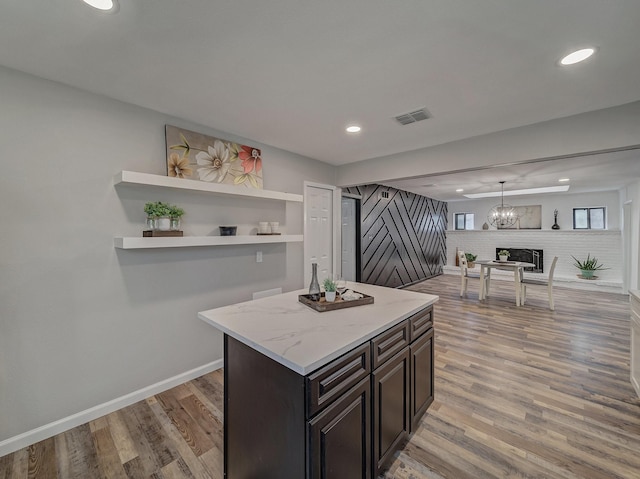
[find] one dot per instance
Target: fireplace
(528, 256)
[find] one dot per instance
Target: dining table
(518, 271)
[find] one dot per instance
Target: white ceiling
(599, 172)
(294, 73)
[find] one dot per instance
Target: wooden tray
(158, 233)
(322, 305)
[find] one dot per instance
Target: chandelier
(502, 216)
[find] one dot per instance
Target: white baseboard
(48, 430)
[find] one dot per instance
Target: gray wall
(82, 323)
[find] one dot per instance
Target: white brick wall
(604, 245)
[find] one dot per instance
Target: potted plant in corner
(588, 266)
(158, 215)
(329, 290)
(471, 259)
(503, 254)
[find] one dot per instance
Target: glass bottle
(314, 287)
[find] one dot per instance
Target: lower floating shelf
(135, 242)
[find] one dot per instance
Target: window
(589, 218)
(464, 221)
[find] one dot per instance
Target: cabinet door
(340, 437)
(421, 377)
(390, 408)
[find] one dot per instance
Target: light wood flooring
(520, 393)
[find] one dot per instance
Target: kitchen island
(323, 395)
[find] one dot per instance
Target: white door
(320, 233)
(349, 239)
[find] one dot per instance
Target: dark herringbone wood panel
(403, 236)
(520, 393)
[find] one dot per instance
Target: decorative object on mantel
(329, 290)
(200, 157)
(228, 230)
(529, 218)
(588, 266)
(555, 226)
(321, 305)
(503, 255)
(502, 216)
(162, 217)
(485, 226)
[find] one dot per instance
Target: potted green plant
(158, 214)
(503, 254)
(588, 266)
(329, 290)
(175, 214)
(471, 259)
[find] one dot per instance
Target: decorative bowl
(228, 230)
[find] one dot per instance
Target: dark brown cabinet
(344, 420)
(340, 437)
(403, 385)
(421, 352)
(390, 407)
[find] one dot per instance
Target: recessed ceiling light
(563, 180)
(459, 190)
(577, 56)
(104, 5)
(353, 129)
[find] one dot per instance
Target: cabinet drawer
(420, 323)
(328, 383)
(389, 343)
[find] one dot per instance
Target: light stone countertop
(303, 339)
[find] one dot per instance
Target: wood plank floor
(520, 393)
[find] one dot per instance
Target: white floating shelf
(136, 242)
(135, 178)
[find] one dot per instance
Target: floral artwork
(200, 157)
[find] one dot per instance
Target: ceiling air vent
(408, 118)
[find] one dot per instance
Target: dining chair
(544, 282)
(465, 274)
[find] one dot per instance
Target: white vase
(164, 223)
(503, 258)
(330, 296)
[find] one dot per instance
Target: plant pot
(330, 296)
(150, 224)
(503, 258)
(587, 273)
(174, 224)
(471, 264)
(163, 223)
